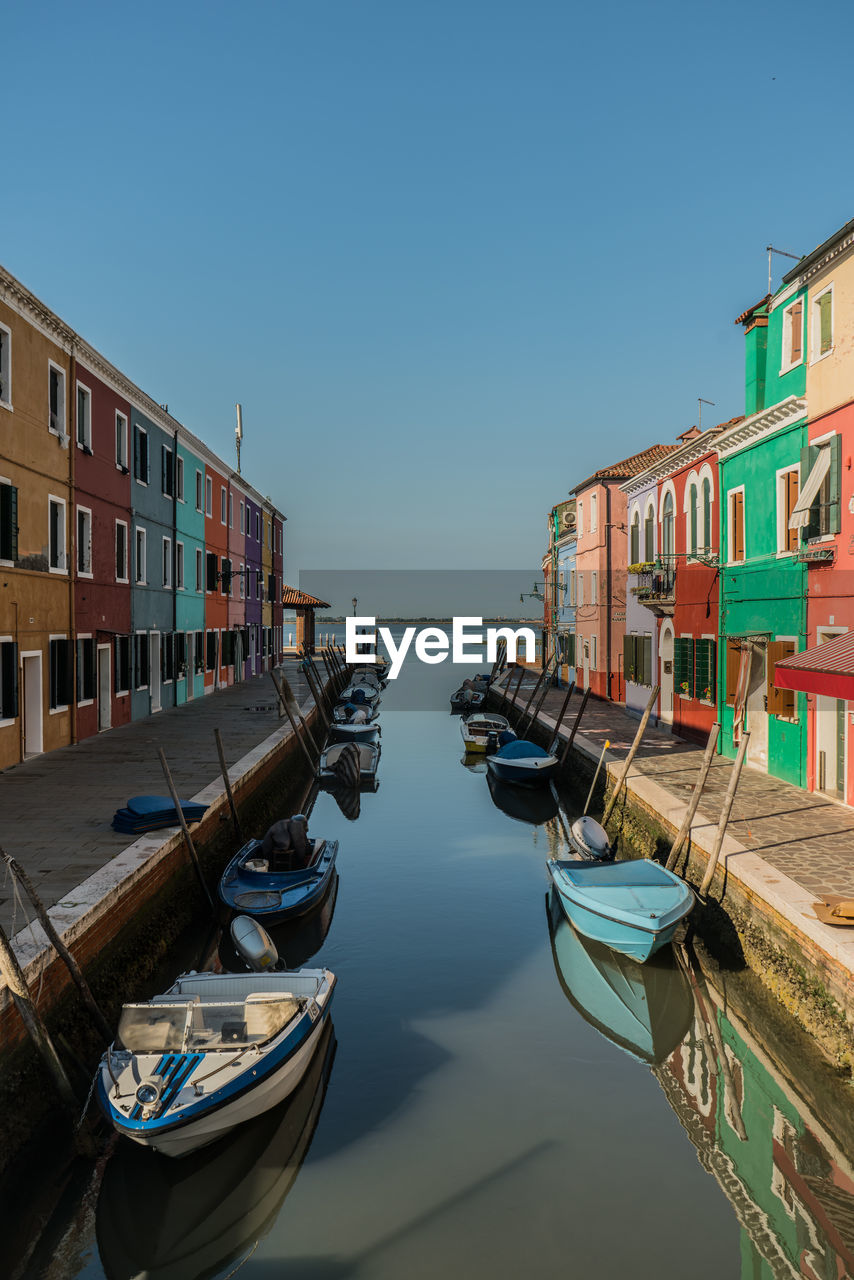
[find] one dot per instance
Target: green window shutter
(646, 664)
(809, 453)
(635, 547)
(835, 485)
(704, 669)
(825, 304)
(628, 657)
(683, 663)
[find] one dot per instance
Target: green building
(762, 579)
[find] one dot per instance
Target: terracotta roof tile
(632, 466)
(292, 597)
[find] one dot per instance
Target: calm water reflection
(505, 1101)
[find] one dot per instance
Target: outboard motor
(348, 765)
(253, 944)
(591, 840)
(491, 742)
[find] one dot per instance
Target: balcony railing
(655, 586)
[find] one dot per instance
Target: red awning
(827, 669)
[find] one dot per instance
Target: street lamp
(355, 602)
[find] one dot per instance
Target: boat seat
(233, 1032)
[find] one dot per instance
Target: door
(756, 710)
(665, 679)
(830, 746)
(585, 661)
(191, 665)
(32, 703)
(154, 666)
(105, 684)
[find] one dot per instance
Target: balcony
(655, 586)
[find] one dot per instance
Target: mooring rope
(88, 1099)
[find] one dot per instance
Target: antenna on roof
(700, 403)
(769, 249)
(238, 433)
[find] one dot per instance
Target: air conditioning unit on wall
(567, 520)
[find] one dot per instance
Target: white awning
(807, 496)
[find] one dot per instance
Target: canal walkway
(56, 809)
(785, 848)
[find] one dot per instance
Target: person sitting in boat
(286, 846)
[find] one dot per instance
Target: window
(580, 588)
(8, 680)
(780, 702)
(271, 587)
(222, 505)
(200, 581)
(817, 509)
(637, 659)
(257, 526)
(140, 660)
(56, 399)
(736, 526)
(231, 511)
(85, 669)
(573, 589)
(242, 516)
(167, 473)
(692, 519)
(788, 485)
(60, 674)
(140, 455)
(649, 534)
(594, 587)
(683, 666)
(167, 562)
(121, 442)
(634, 541)
(793, 335)
(593, 512)
(179, 478)
(705, 669)
(56, 535)
(225, 577)
(208, 496)
(84, 418)
(667, 538)
(8, 522)
(121, 551)
(84, 542)
(211, 651)
(180, 655)
(179, 565)
(211, 571)
(141, 567)
(227, 656)
(822, 323)
(122, 675)
(167, 656)
(707, 516)
(200, 485)
(5, 366)
(242, 582)
(594, 647)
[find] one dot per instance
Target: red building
(101, 534)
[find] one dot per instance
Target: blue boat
(646, 1010)
(264, 887)
(524, 762)
(633, 907)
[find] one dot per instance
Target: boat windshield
(238, 1024)
(154, 1028)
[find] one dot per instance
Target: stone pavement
(806, 836)
(56, 809)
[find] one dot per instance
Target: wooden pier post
(227, 782)
(627, 763)
(318, 697)
(522, 671)
(585, 695)
(286, 704)
(683, 835)
(725, 812)
(188, 839)
(59, 946)
(539, 705)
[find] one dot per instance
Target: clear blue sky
(451, 257)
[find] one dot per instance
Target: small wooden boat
(522, 762)
(471, 696)
(215, 1050)
(646, 1010)
(352, 713)
(633, 907)
(361, 695)
(366, 731)
(279, 886)
(480, 730)
(335, 763)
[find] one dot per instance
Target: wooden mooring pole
(287, 694)
(227, 781)
(522, 671)
(59, 946)
(725, 812)
(294, 724)
(559, 721)
(534, 691)
(574, 729)
(633, 750)
(188, 839)
(316, 693)
(683, 835)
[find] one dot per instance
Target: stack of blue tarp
(150, 813)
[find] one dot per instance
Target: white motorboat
(216, 1049)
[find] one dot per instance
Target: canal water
(496, 1099)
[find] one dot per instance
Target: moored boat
(523, 762)
(276, 884)
(634, 907)
(214, 1050)
(354, 713)
(349, 763)
(480, 730)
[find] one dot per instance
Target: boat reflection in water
(533, 805)
(296, 942)
(474, 761)
(185, 1219)
(646, 1009)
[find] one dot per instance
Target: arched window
(649, 535)
(692, 519)
(634, 551)
(707, 516)
(667, 540)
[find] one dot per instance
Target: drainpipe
(608, 584)
(72, 543)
